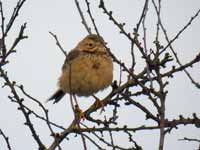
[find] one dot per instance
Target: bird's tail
(56, 96)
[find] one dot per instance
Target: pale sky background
(37, 65)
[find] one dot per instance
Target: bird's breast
(89, 74)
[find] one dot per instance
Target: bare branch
(189, 139)
(6, 139)
(14, 15)
(58, 43)
(180, 32)
(2, 39)
(19, 100)
(82, 17)
(91, 17)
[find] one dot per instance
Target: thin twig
(91, 17)
(145, 42)
(189, 139)
(20, 37)
(19, 100)
(177, 35)
(121, 28)
(180, 32)
(112, 140)
(77, 116)
(82, 17)
(14, 15)
(6, 139)
(93, 142)
(40, 105)
(2, 39)
(136, 33)
(58, 43)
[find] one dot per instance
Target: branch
(15, 43)
(180, 32)
(168, 124)
(176, 37)
(14, 15)
(6, 139)
(19, 101)
(41, 106)
(82, 17)
(182, 67)
(58, 43)
(183, 121)
(121, 28)
(91, 17)
(189, 139)
(136, 34)
(2, 39)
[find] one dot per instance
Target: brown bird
(87, 69)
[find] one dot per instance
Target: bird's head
(91, 43)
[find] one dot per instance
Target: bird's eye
(91, 45)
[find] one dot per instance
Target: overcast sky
(38, 61)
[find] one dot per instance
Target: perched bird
(88, 68)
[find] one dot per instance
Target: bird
(87, 69)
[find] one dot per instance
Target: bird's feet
(79, 114)
(98, 103)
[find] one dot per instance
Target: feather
(56, 96)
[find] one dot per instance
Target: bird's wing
(71, 56)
